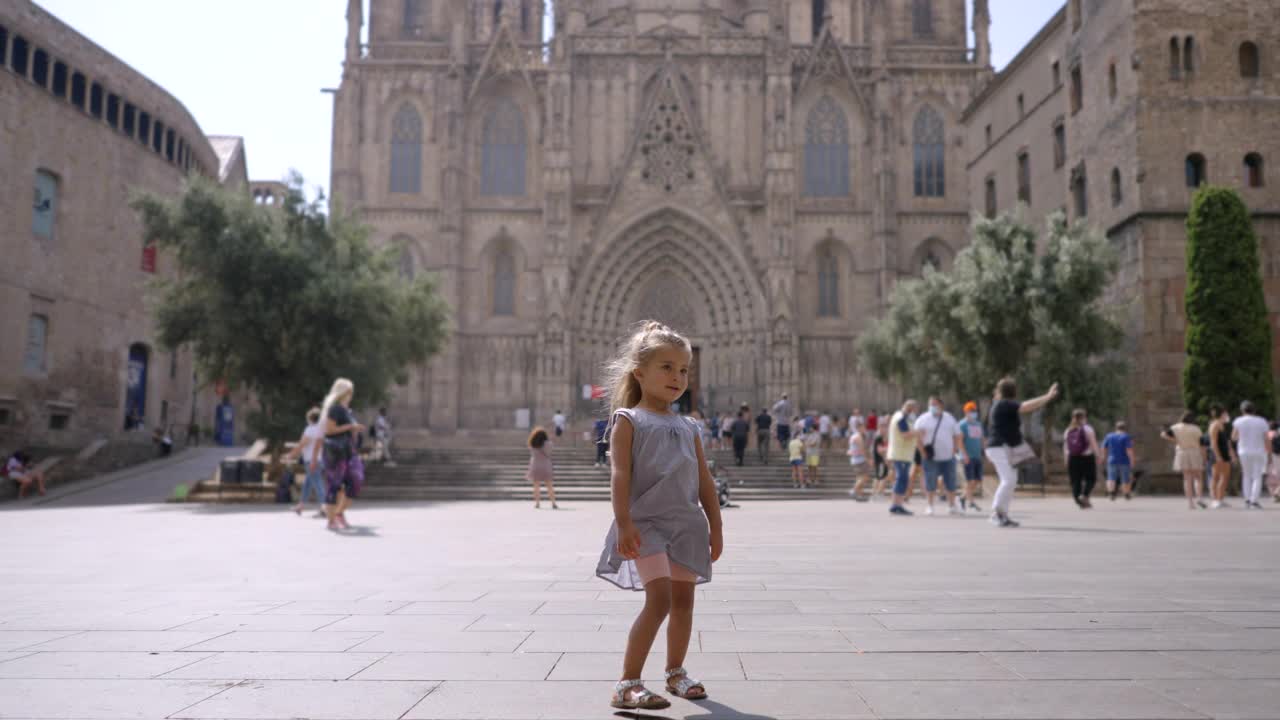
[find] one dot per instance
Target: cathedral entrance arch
(670, 267)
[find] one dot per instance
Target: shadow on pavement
(718, 711)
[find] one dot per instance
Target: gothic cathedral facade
(756, 173)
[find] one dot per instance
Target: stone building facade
(1114, 113)
(80, 131)
(757, 173)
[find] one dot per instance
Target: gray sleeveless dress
(664, 499)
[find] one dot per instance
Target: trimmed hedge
(1228, 341)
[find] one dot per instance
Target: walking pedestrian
(344, 470)
(740, 432)
(1188, 458)
(824, 429)
(940, 434)
(309, 450)
(601, 431)
(795, 453)
(1220, 445)
(559, 420)
(382, 438)
(1080, 449)
(764, 421)
(1117, 451)
(1006, 449)
(903, 442)
(1249, 432)
(1273, 466)
(859, 459)
(540, 470)
(715, 430)
(812, 455)
(975, 442)
(667, 529)
(782, 410)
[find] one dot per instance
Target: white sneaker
(995, 520)
(954, 510)
(1217, 504)
(928, 510)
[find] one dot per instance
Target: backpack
(1077, 441)
(1275, 443)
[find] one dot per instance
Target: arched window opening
(828, 282)
(18, 60)
(1196, 169)
(1080, 191)
(1250, 63)
(1117, 190)
(406, 151)
(78, 86)
(157, 140)
(40, 68)
(989, 197)
(504, 283)
(929, 143)
(1112, 82)
(819, 13)
(414, 22)
(922, 18)
(1253, 171)
(502, 161)
(1189, 55)
(60, 79)
(826, 150)
(1175, 59)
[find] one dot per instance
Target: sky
(258, 68)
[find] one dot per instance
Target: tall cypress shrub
(1228, 341)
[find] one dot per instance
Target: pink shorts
(659, 565)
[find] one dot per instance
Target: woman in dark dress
(342, 462)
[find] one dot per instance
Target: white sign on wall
(522, 418)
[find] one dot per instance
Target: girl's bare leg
(657, 604)
(679, 623)
(551, 492)
(537, 493)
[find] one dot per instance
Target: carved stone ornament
(668, 143)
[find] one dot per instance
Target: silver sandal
(685, 686)
(640, 700)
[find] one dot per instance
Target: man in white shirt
(938, 429)
(558, 420)
(1249, 432)
(781, 412)
(824, 429)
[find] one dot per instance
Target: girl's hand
(629, 541)
(717, 544)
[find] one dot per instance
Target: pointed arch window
(1117, 189)
(416, 15)
(929, 143)
(504, 282)
(1253, 176)
(828, 282)
(502, 159)
(406, 266)
(922, 18)
(826, 150)
(1196, 170)
(819, 14)
(406, 151)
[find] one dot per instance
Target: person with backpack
(1188, 458)
(602, 443)
(1080, 448)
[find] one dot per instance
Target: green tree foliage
(280, 300)
(1228, 331)
(1003, 309)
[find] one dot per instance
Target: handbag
(355, 471)
(1020, 455)
(928, 449)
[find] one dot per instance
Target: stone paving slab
(487, 610)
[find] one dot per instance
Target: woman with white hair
(342, 464)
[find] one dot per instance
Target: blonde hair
(342, 389)
(648, 338)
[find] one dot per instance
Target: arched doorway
(135, 393)
(672, 268)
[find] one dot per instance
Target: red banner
(149, 259)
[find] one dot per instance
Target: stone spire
(981, 33)
(355, 22)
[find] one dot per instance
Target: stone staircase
(498, 473)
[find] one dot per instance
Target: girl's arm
(620, 488)
(710, 502)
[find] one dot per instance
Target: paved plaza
(490, 610)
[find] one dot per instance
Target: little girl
(666, 530)
(540, 469)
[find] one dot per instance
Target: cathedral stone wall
(744, 170)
